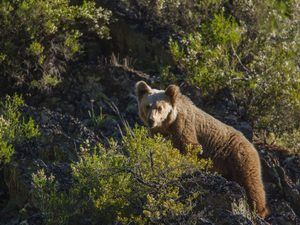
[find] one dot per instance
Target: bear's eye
(148, 106)
(159, 108)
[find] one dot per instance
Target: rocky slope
(69, 120)
(93, 104)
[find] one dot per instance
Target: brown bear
(175, 116)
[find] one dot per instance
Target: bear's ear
(141, 88)
(172, 92)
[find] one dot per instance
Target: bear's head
(157, 108)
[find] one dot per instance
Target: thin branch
(238, 58)
(125, 66)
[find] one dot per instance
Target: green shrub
(55, 205)
(205, 56)
(38, 37)
(254, 54)
(291, 140)
(13, 127)
(138, 181)
(270, 95)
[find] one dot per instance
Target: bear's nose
(150, 122)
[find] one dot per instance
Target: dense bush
(38, 38)
(55, 206)
(13, 127)
(252, 50)
(205, 56)
(291, 140)
(138, 181)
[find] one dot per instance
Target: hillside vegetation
(72, 148)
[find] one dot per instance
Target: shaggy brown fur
(179, 119)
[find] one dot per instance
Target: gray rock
(281, 172)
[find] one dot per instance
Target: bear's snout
(151, 122)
